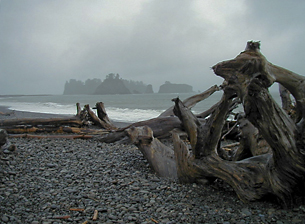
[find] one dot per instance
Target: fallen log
(73, 121)
(52, 136)
(51, 129)
(160, 126)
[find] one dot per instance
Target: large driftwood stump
(280, 173)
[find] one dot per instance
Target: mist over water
(125, 108)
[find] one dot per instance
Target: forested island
(114, 84)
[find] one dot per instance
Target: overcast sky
(45, 43)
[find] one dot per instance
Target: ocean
(120, 108)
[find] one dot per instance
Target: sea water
(122, 108)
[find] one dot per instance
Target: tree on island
(75, 87)
(113, 84)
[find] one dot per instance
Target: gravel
(53, 181)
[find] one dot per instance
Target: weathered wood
(161, 126)
(186, 171)
(190, 123)
(250, 74)
(78, 110)
(192, 101)
(251, 142)
(96, 120)
(52, 136)
(73, 121)
(3, 137)
(113, 136)
(160, 157)
(5, 143)
(102, 115)
(7, 113)
(59, 130)
(287, 103)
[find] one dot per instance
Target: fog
(45, 43)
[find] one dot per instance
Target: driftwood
(271, 150)
(97, 121)
(4, 142)
(161, 125)
(102, 115)
(84, 136)
(192, 101)
(281, 173)
(73, 124)
(58, 130)
(269, 158)
(3, 137)
(73, 121)
(160, 157)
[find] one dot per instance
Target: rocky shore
(51, 181)
(66, 181)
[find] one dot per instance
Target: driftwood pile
(265, 156)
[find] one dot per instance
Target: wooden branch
(101, 113)
(208, 112)
(293, 82)
(204, 138)
(78, 110)
(97, 121)
(192, 101)
(191, 125)
(161, 126)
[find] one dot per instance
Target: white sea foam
(116, 114)
(48, 107)
(131, 115)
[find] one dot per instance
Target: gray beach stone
(38, 184)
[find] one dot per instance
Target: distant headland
(114, 84)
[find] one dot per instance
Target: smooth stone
(5, 218)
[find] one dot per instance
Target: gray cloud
(45, 43)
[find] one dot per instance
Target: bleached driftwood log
(281, 173)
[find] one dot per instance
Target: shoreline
(6, 113)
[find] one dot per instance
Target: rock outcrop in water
(113, 84)
(168, 87)
(149, 89)
(77, 87)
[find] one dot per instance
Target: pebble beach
(51, 181)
